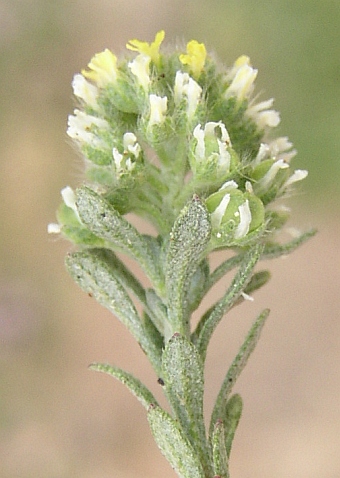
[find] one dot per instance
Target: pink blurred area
(57, 418)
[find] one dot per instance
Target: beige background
(57, 419)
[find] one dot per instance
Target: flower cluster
(182, 142)
(156, 128)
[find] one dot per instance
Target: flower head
(195, 57)
(148, 49)
(85, 90)
(212, 143)
(158, 108)
(234, 214)
(186, 87)
(81, 128)
(140, 68)
(103, 68)
(242, 78)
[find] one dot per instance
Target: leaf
(219, 451)
(197, 286)
(158, 313)
(174, 445)
(189, 238)
(209, 322)
(236, 368)
(182, 372)
(136, 387)
(98, 277)
(273, 250)
(105, 222)
(222, 269)
(231, 419)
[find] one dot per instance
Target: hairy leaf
(174, 445)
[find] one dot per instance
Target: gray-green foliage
(174, 139)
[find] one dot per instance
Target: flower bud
(234, 215)
(212, 156)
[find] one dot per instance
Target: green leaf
(105, 222)
(182, 372)
(136, 387)
(236, 368)
(257, 280)
(209, 322)
(158, 313)
(231, 419)
(97, 276)
(174, 445)
(197, 287)
(188, 243)
(219, 451)
(273, 250)
(222, 269)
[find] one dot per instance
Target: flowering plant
(181, 141)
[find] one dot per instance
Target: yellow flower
(195, 57)
(103, 68)
(149, 49)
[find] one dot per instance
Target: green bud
(234, 214)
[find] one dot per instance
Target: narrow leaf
(237, 286)
(172, 442)
(231, 419)
(236, 367)
(188, 242)
(136, 387)
(97, 277)
(105, 222)
(273, 250)
(219, 451)
(182, 372)
(223, 269)
(158, 313)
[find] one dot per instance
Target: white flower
(217, 216)
(242, 78)
(186, 87)
(245, 220)
(269, 177)
(298, 175)
(158, 108)
(118, 158)
(208, 134)
(279, 148)
(85, 90)
(262, 115)
(79, 128)
(130, 144)
(123, 162)
(200, 146)
(140, 67)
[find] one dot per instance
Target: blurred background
(58, 419)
